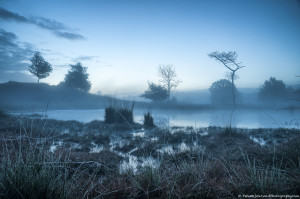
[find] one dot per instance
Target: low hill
(19, 95)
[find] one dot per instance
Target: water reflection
(238, 118)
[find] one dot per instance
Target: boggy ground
(43, 158)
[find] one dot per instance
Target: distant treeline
(17, 95)
(41, 96)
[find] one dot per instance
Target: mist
(149, 99)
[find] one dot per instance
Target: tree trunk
(169, 91)
(232, 88)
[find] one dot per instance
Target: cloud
(57, 28)
(68, 35)
(84, 58)
(13, 54)
(7, 38)
(5, 14)
(92, 60)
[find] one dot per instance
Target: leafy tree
(77, 78)
(168, 77)
(220, 92)
(39, 67)
(155, 92)
(273, 90)
(228, 59)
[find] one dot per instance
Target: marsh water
(199, 118)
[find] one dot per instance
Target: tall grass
(29, 170)
(32, 172)
(119, 112)
(148, 120)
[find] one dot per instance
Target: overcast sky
(123, 42)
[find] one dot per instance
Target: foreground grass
(188, 163)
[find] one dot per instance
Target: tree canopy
(77, 78)
(220, 92)
(39, 67)
(273, 90)
(155, 92)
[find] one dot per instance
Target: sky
(123, 42)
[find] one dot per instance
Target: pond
(199, 118)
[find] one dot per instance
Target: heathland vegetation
(43, 158)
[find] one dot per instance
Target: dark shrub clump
(119, 113)
(148, 119)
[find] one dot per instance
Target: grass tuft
(119, 112)
(148, 120)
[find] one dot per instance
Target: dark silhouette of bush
(273, 90)
(221, 92)
(77, 78)
(156, 93)
(148, 120)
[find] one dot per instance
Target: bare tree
(228, 59)
(168, 77)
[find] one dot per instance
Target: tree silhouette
(273, 90)
(168, 77)
(39, 67)
(220, 92)
(77, 78)
(228, 59)
(155, 92)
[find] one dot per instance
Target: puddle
(259, 141)
(133, 163)
(117, 142)
(203, 133)
(96, 148)
(167, 149)
(66, 131)
(150, 161)
(75, 146)
(183, 147)
(54, 146)
(176, 129)
(139, 134)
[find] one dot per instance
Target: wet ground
(134, 146)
